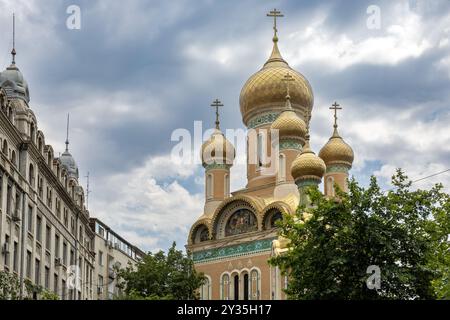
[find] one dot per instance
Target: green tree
(9, 286)
(161, 277)
(403, 232)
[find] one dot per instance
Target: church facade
(236, 235)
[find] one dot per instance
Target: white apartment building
(112, 251)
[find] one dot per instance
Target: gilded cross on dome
(275, 14)
(216, 104)
(336, 106)
(288, 78)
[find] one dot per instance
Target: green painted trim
(290, 144)
(337, 168)
(307, 183)
(217, 166)
(262, 119)
(233, 251)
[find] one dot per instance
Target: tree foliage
(403, 232)
(161, 277)
(9, 286)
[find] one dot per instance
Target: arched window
(50, 159)
(5, 147)
(254, 285)
(32, 131)
(209, 186)
(227, 186)
(236, 287)
(31, 175)
(260, 150)
(40, 145)
(330, 186)
(205, 289)
(282, 168)
(225, 287)
(246, 285)
(242, 221)
(14, 158)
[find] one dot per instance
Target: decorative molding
(216, 166)
(337, 168)
(262, 119)
(233, 251)
(290, 144)
(307, 182)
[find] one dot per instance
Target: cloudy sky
(135, 72)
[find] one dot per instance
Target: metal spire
(88, 191)
(13, 51)
(67, 133)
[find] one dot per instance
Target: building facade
(112, 253)
(236, 235)
(45, 232)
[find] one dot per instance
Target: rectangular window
(30, 219)
(8, 199)
(56, 284)
(7, 249)
(72, 257)
(47, 278)
(48, 240)
(37, 272)
(100, 258)
(64, 257)
(80, 235)
(63, 290)
(15, 257)
(38, 228)
(56, 246)
(66, 218)
(28, 264)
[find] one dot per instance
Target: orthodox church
(232, 241)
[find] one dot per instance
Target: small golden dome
(308, 165)
(337, 151)
(265, 91)
(217, 149)
(289, 124)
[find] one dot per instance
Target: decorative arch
(196, 230)
(270, 210)
(244, 206)
(205, 289)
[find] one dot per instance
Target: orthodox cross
(275, 14)
(335, 107)
(288, 78)
(216, 104)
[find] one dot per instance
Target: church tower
(338, 157)
(217, 158)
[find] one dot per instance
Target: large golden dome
(307, 165)
(217, 149)
(337, 151)
(265, 91)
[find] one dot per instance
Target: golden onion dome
(308, 165)
(337, 151)
(289, 124)
(217, 149)
(265, 91)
